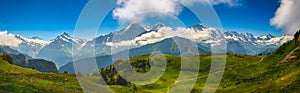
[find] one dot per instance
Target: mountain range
(275, 72)
(136, 37)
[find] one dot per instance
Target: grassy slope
(15, 79)
(243, 74)
(170, 76)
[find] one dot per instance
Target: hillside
(15, 79)
(26, 61)
(243, 73)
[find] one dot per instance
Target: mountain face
(198, 27)
(249, 44)
(99, 45)
(265, 37)
(167, 46)
(60, 49)
(242, 43)
(30, 46)
(87, 63)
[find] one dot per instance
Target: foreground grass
(15, 79)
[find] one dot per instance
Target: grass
(15, 79)
(243, 73)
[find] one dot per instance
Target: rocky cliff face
(42, 65)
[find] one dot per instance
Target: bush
(7, 57)
(65, 72)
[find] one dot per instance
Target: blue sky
(49, 18)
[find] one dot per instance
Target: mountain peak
(65, 34)
(266, 36)
(133, 28)
(157, 26)
(36, 37)
(65, 37)
(198, 27)
(134, 25)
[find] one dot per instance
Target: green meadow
(243, 73)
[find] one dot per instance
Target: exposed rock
(293, 57)
(289, 56)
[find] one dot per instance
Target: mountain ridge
(59, 49)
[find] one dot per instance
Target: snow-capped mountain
(265, 37)
(156, 27)
(101, 43)
(244, 43)
(60, 49)
(251, 44)
(138, 37)
(30, 46)
(198, 27)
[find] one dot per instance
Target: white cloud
(7, 39)
(167, 32)
(212, 2)
(287, 16)
(137, 10)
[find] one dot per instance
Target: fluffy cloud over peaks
(137, 10)
(167, 32)
(7, 39)
(287, 16)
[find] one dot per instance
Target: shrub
(65, 72)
